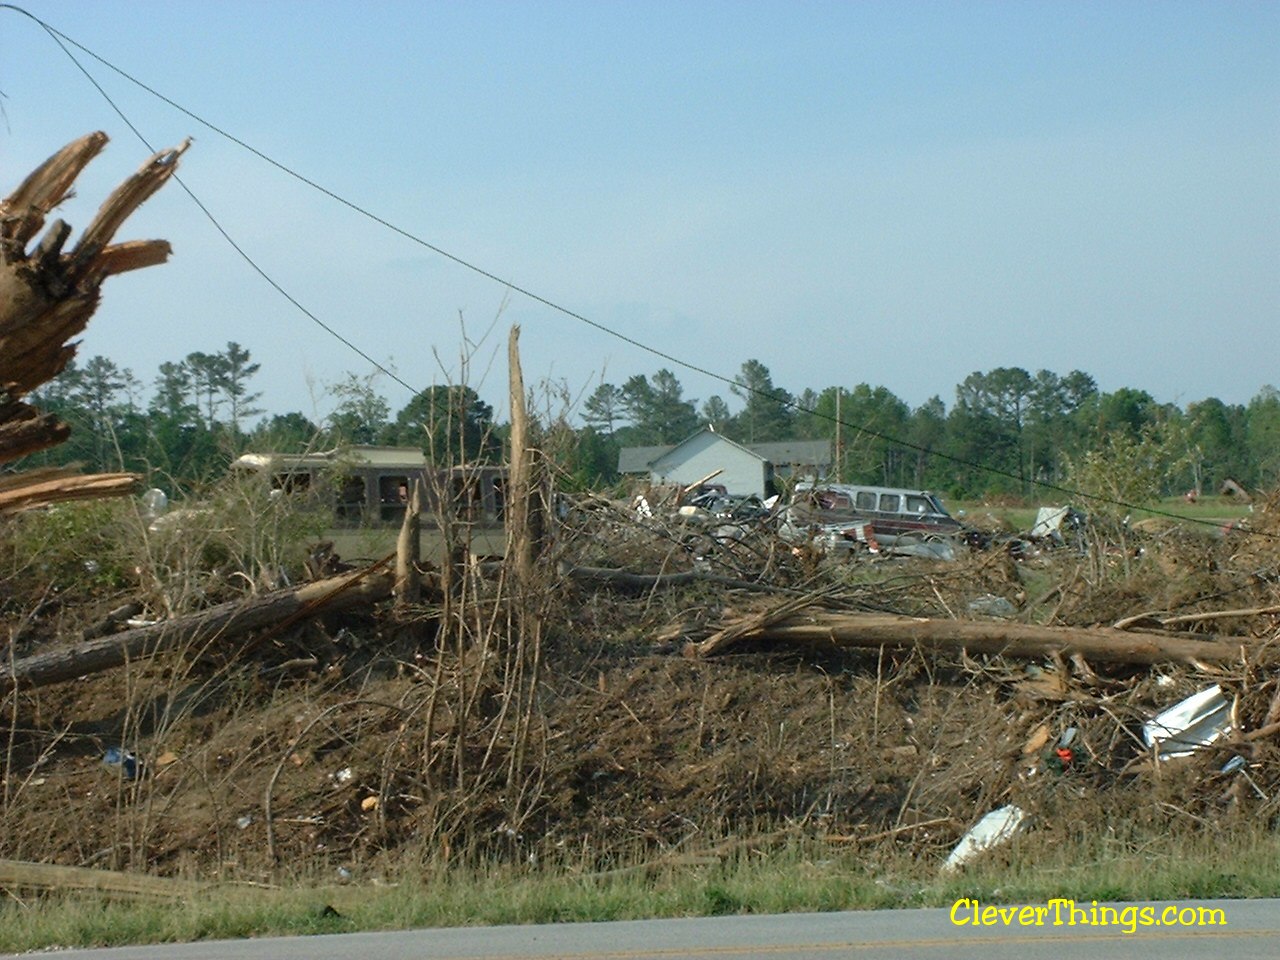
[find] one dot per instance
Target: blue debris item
(119, 757)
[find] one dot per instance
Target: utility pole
(839, 391)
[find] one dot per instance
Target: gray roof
(719, 436)
(811, 452)
(637, 459)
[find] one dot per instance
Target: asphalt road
(1251, 932)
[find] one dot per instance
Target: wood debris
(47, 295)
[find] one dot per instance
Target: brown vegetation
(565, 726)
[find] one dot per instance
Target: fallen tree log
(195, 631)
(25, 875)
(46, 486)
(873, 630)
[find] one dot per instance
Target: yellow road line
(931, 943)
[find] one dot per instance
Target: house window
(291, 482)
(351, 500)
(393, 497)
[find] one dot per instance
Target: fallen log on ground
(50, 485)
(195, 631)
(24, 875)
(874, 630)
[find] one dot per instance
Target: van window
(832, 500)
(889, 502)
(918, 504)
(866, 500)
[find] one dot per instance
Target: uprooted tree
(47, 295)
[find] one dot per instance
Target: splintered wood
(48, 294)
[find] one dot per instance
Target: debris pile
(672, 687)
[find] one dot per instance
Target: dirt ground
(570, 728)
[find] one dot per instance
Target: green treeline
(1004, 430)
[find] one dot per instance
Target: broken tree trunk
(408, 549)
(47, 295)
(526, 513)
(40, 488)
(194, 631)
(1103, 644)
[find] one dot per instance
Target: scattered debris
(127, 761)
(1197, 721)
(995, 828)
(990, 605)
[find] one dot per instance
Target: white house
(787, 459)
(741, 470)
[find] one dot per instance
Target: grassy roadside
(793, 878)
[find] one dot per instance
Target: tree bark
(526, 516)
(224, 622)
(1102, 644)
(40, 488)
(47, 295)
(408, 549)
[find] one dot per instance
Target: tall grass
(796, 877)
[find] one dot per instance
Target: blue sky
(895, 193)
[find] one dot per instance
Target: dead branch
(40, 488)
(21, 874)
(1218, 615)
(625, 581)
(886, 834)
(1103, 644)
(224, 622)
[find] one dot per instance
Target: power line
(58, 37)
(791, 403)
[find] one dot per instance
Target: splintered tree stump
(48, 293)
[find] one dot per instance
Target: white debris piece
(992, 830)
(1196, 722)
(1049, 521)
